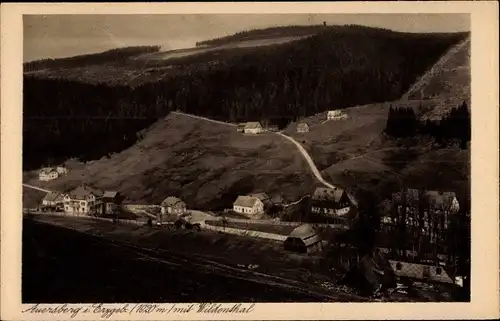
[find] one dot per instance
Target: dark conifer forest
(455, 126)
(336, 69)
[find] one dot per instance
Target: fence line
(250, 233)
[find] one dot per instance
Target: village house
(53, 199)
(303, 239)
(334, 202)
(253, 127)
(336, 114)
(240, 128)
(48, 174)
(302, 128)
(111, 201)
(83, 200)
(423, 210)
(249, 205)
(61, 170)
(173, 205)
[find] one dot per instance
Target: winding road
(37, 188)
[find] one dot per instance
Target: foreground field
(95, 270)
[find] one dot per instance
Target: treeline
(456, 125)
(254, 34)
(331, 70)
(83, 60)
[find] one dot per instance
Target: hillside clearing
(205, 163)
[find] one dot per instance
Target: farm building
(336, 115)
(241, 127)
(111, 200)
(434, 208)
(48, 174)
(302, 128)
(61, 170)
(173, 205)
(249, 205)
(331, 202)
(253, 127)
(303, 239)
(406, 271)
(82, 200)
(53, 199)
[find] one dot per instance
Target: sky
(57, 36)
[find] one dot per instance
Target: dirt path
(37, 188)
(309, 160)
(203, 118)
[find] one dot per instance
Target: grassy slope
(354, 152)
(449, 85)
(206, 164)
(214, 163)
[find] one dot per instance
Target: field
(268, 256)
(206, 164)
(56, 269)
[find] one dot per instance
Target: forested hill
(89, 59)
(336, 69)
(274, 32)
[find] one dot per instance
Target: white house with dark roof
(173, 205)
(83, 200)
(336, 114)
(302, 128)
(253, 127)
(249, 205)
(48, 174)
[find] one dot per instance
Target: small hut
(303, 239)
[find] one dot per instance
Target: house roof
(245, 201)
(416, 271)
(47, 170)
(306, 233)
(253, 125)
(303, 231)
(110, 194)
(52, 197)
(171, 201)
(83, 191)
(323, 193)
(302, 126)
(261, 196)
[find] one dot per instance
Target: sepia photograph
(245, 157)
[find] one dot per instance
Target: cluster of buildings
(51, 173)
(83, 200)
(422, 212)
(255, 127)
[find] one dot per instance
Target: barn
(303, 239)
